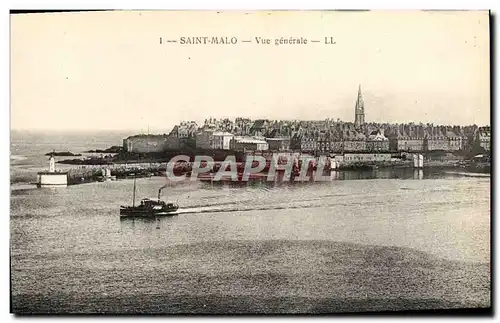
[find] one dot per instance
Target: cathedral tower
(359, 118)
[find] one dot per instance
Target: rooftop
(248, 140)
(222, 133)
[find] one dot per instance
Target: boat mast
(133, 199)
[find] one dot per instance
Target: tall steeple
(359, 118)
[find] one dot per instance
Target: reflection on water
(335, 175)
(418, 174)
(140, 225)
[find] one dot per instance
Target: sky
(107, 71)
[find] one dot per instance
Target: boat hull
(124, 212)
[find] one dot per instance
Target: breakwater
(86, 174)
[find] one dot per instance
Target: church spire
(359, 117)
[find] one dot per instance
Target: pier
(52, 177)
(88, 174)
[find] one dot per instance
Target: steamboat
(149, 207)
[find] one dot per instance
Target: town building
(454, 141)
(353, 141)
(172, 140)
(208, 139)
(308, 144)
(187, 129)
(376, 141)
(406, 143)
(242, 126)
(407, 137)
(248, 144)
(323, 144)
(259, 127)
(278, 144)
(222, 140)
(295, 141)
(434, 143)
(482, 138)
(337, 145)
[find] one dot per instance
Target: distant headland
(62, 154)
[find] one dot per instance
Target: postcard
(250, 162)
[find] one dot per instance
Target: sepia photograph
(250, 162)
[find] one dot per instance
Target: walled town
(361, 140)
(347, 145)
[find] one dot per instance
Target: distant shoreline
(62, 154)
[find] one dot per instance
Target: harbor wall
(364, 157)
(348, 161)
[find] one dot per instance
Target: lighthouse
(52, 177)
(52, 164)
